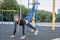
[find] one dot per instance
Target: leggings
(23, 29)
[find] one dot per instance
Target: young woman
(23, 22)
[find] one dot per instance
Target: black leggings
(23, 28)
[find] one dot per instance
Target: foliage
(43, 16)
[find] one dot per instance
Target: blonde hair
(16, 15)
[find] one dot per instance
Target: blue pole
(2, 16)
(36, 11)
(8, 16)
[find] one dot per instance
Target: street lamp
(20, 10)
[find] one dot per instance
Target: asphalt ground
(45, 33)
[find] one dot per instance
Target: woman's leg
(31, 26)
(14, 31)
(36, 31)
(23, 30)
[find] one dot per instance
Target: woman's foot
(36, 32)
(22, 37)
(12, 36)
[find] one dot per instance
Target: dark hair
(16, 15)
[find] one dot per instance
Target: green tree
(44, 16)
(58, 18)
(12, 5)
(24, 11)
(9, 5)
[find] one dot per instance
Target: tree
(58, 18)
(12, 5)
(9, 5)
(44, 16)
(24, 11)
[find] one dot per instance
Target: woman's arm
(18, 27)
(14, 29)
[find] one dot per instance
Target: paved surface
(45, 33)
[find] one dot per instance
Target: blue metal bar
(36, 11)
(13, 16)
(8, 16)
(2, 15)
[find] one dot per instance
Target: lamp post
(20, 9)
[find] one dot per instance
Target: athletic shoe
(12, 36)
(36, 32)
(22, 37)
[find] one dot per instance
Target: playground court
(45, 33)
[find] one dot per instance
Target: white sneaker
(36, 32)
(12, 36)
(22, 37)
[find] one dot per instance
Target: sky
(44, 4)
